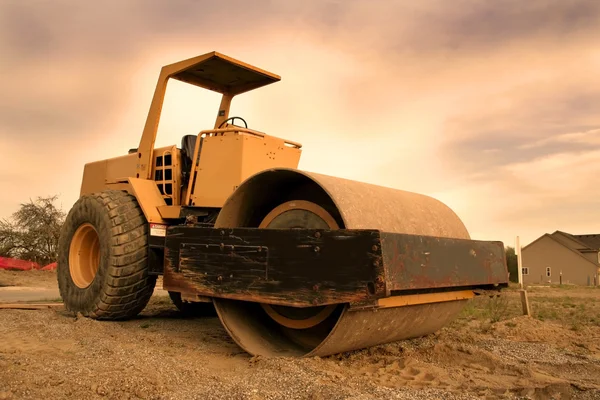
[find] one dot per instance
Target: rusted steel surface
(358, 205)
(361, 329)
(311, 267)
(425, 262)
(366, 206)
(299, 267)
(410, 263)
(344, 330)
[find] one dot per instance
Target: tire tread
(127, 287)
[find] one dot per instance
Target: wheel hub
(296, 215)
(84, 255)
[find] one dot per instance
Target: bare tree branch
(33, 231)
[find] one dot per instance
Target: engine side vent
(166, 175)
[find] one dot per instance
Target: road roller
(294, 263)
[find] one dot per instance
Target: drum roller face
(269, 330)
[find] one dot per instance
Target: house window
(525, 270)
(548, 271)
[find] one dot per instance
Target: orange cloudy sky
(490, 106)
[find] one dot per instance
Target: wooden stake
(525, 303)
(519, 262)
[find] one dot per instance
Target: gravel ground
(161, 355)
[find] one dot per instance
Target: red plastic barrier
(17, 265)
(49, 267)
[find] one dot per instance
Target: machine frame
(295, 263)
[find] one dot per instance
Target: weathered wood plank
(29, 306)
(293, 267)
(304, 267)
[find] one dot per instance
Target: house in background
(576, 257)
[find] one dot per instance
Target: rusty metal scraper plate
(355, 205)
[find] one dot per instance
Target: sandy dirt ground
(41, 279)
(490, 352)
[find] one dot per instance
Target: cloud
(590, 138)
(450, 99)
(70, 64)
(483, 26)
(527, 122)
(530, 198)
(88, 52)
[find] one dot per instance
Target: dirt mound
(162, 355)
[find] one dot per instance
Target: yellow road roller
(294, 263)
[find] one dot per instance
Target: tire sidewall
(86, 210)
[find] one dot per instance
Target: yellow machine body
(294, 263)
(225, 155)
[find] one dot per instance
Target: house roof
(592, 241)
(562, 244)
(583, 247)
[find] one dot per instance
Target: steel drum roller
(286, 198)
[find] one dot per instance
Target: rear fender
(147, 194)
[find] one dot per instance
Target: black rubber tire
(122, 287)
(192, 309)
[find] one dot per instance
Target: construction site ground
(490, 352)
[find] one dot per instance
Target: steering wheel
(232, 119)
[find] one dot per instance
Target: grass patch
(575, 313)
(491, 309)
(575, 307)
(557, 287)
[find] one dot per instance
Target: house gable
(570, 241)
(549, 252)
